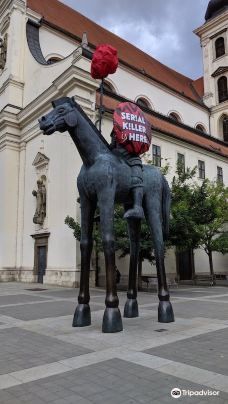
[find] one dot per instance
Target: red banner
(132, 129)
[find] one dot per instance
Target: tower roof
(215, 7)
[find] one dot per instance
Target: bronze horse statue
(104, 179)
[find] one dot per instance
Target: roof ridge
(63, 17)
(124, 40)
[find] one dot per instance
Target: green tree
(199, 213)
(210, 213)
(220, 244)
(183, 234)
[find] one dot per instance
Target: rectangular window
(156, 155)
(201, 168)
(220, 175)
(181, 161)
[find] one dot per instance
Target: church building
(45, 53)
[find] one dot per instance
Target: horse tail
(166, 202)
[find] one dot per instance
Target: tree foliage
(199, 214)
(122, 244)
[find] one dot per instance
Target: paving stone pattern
(41, 310)
(208, 351)
(14, 299)
(114, 382)
(207, 309)
(22, 349)
(44, 360)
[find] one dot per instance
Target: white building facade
(41, 60)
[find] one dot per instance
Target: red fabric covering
(104, 62)
(131, 128)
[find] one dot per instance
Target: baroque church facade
(45, 53)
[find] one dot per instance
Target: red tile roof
(74, 23)
(173, 130)
(199, 86)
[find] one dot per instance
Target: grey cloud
(161, 28)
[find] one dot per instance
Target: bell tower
(214, 42)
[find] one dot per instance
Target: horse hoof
(112, 321)
(134, 213)
(82, 316)
(165, 312)
(131, 308)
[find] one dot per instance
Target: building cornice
(11, 80)
(7, 6)
(220, 70)
(211, 24)
(9, 132)
(72, 78)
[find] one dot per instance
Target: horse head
(62, 118)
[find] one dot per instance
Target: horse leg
(112, 321)
(131, 305)
(154, 218)
(82, 316)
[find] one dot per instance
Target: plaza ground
(44, 360)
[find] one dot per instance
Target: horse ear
(71, 119)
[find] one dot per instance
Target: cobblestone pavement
(44, 360)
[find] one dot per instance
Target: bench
(205, 278)
(149, 279)
(152, 279)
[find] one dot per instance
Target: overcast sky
(162, 28)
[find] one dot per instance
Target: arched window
(175, 116)
(141, 102)
(225, 128)
(108, 87)
(219, 47)
(200, 128)
(222, 89)
(53, 60)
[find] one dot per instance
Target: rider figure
(131, 136)
(135, 162)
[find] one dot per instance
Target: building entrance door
(40, 255)
(42, 260)
(185, 265)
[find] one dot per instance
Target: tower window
(220, 175)
(201, 169)
(225, 129)
(219, 47)
(156, 155)
(222, 89)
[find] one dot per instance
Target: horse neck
(90, 146)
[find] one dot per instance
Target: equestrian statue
(107, 177)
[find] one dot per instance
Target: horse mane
(85, 116)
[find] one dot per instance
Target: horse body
(103, 180)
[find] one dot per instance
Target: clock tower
(214, 42)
